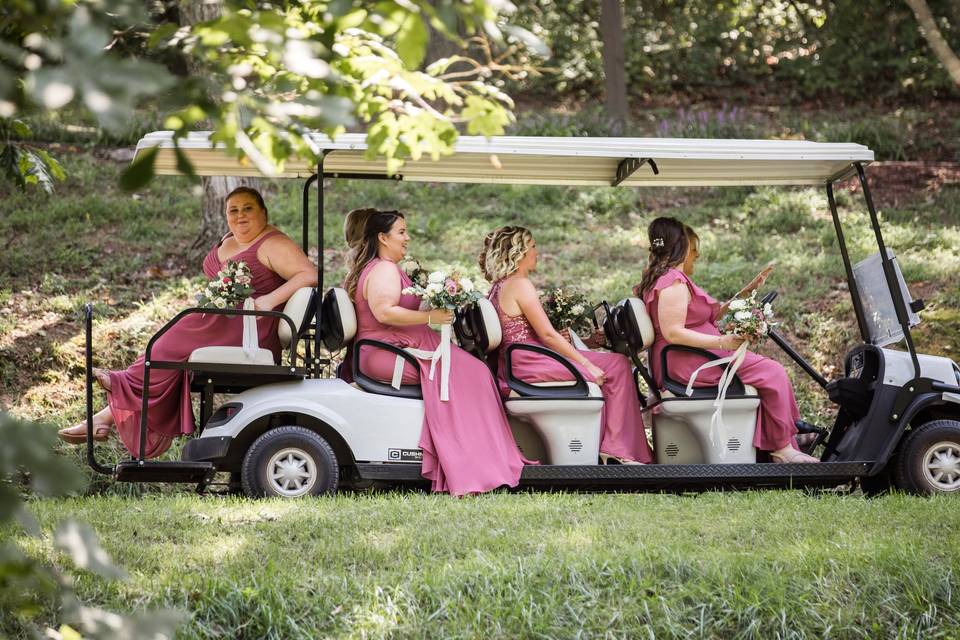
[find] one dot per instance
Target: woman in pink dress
(685, 314)
(279, 268)
(466, 441)
(509, 255)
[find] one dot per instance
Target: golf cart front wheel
(929, 460)
(289, 462)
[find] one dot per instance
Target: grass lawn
(774, 564)
(751, 565)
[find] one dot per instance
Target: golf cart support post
(590, 162)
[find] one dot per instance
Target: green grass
(775, 564)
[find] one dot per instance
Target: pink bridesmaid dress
(169, 410)
(776, 425)
(466, 441)
(622, 432)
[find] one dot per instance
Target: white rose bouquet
(230, 288)
(567, 309)
(748, 318)
(445, 290)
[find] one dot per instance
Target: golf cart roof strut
(889, 273)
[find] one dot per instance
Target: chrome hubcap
(941, 465)
(291, 472)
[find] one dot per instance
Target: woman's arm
(672, 311)
(382, 290)
(527, 299)
(282, 256)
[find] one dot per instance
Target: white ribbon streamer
(718, 429)
(251, 341)
(441, 355)
(578, 344)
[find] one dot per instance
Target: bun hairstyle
(503, 249)
(670, 240)
(361, 230)
(249, 191)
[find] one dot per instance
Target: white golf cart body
(374, 433)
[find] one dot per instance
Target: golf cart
(295, 428)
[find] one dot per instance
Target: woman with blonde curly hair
(509, 256)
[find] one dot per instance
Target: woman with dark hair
(278, 268)
(467, 443)
(685, 314)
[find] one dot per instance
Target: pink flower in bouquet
(450, 286)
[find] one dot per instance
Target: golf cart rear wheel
(289, 462)
(929, 460)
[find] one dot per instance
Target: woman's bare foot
(790, 455)
(103, 378)
(77, 434)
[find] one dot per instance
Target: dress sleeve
(675, 275)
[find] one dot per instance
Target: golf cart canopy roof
(630, 162)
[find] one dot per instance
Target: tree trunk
(928, 27)
(611, 32)
(213, 224)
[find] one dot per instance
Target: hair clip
(658, 242)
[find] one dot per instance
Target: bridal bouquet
(445, 290)
(567, 309)
(442, 290)
(230, 288)
(749, 318)
(411, 267)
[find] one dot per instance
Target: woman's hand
(264, 303)
(598, 375)
(731, 341)
(440, 316)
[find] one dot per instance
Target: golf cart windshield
(879, 310)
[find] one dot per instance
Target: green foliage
(779, 50)
(266, 75)
(28, 587)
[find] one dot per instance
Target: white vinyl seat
(297, 308)
(681, 424)
(567, 429)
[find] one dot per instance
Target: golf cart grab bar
(578, 389)
(365, 382)
(147, 361)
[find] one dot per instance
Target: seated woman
(509, 255)
(684, 314)
(467, 443)
(279, 268)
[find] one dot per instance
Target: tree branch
(928, 27)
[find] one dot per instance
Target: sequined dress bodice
(515, 328)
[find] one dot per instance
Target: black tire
(929, 450)
(295, 450)
(879, 484)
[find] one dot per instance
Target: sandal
(791, 456)
(77, 434)
(606, 458)
(102, 376)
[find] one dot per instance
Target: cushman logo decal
(404, 455)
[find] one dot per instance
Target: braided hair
(670, 240)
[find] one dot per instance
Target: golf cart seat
(681, 423)
(338, 321)
(565, 414)
(300, 309)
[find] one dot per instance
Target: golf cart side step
(647, 474)
(164, 471)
